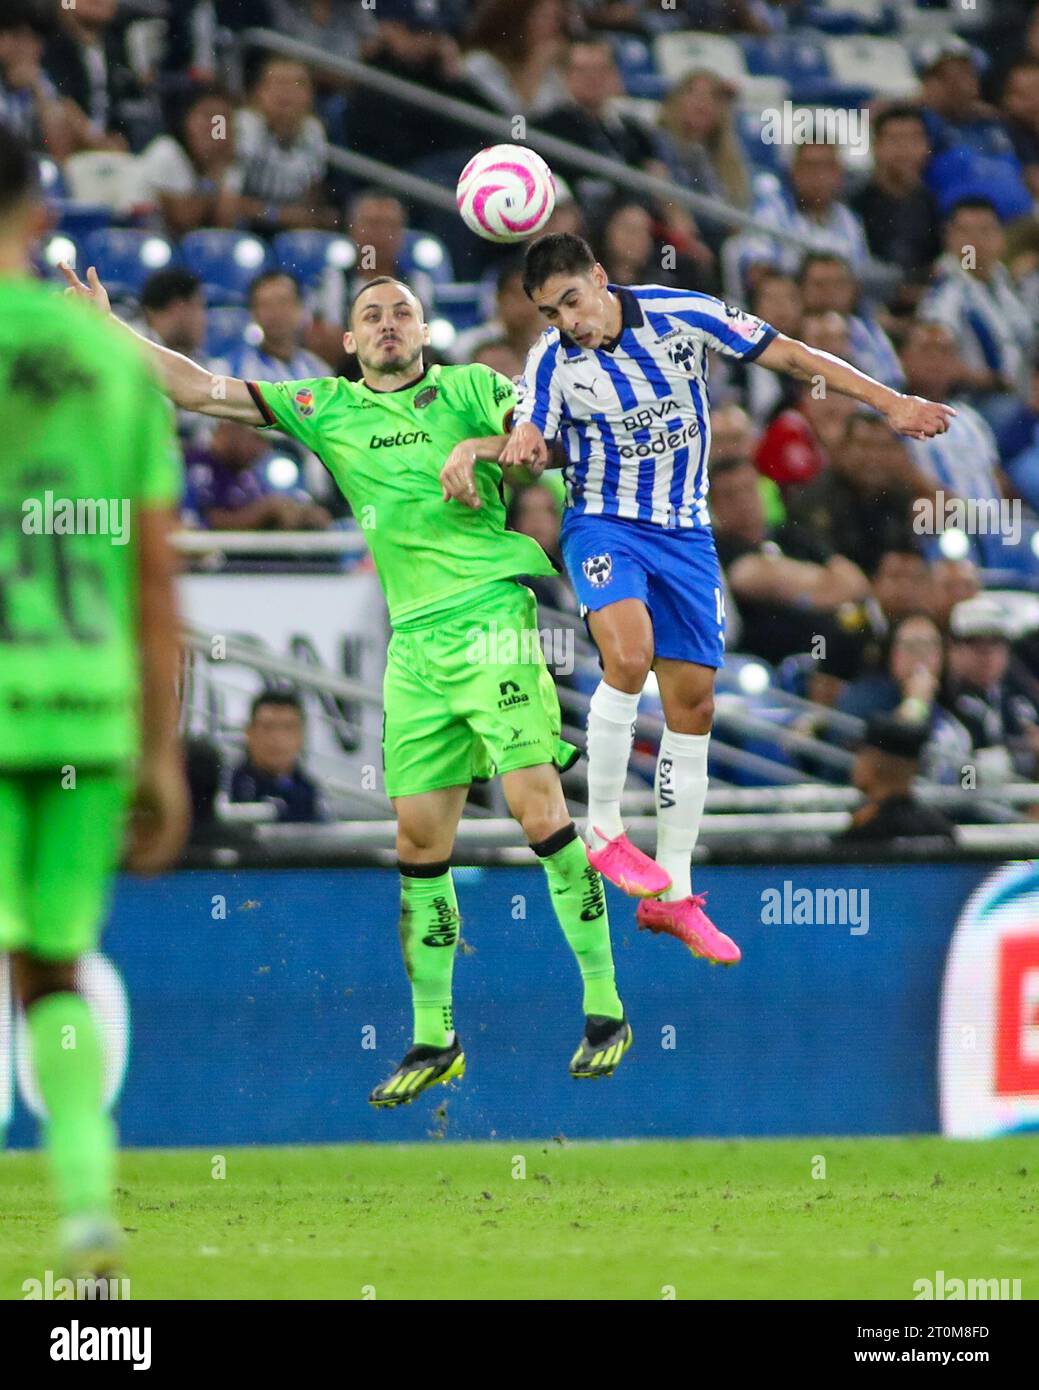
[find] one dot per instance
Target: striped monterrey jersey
(633, 415)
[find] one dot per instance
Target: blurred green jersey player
(467, 693)
(88, 662)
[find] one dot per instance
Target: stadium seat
(677, 54)
(462, 304)
(423, 252)
(78, 220)
(761, 155)
(852, 16)
(307, 255)
(882, 66)
(637, 67)
(225, 329)
(125, 257)
(226, 262)
(801, 60)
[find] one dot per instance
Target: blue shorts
(674, 572)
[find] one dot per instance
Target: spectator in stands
(514, 51)
(828, 331)
(272, 770)
(863, 502)
(189, 173)
(535, 511)
(802, 437)
(590, 119)
(776, 299)
(908, 687)
(785, 583)
(887, 763)
(516, 323)
(827, 284)
(412, 41)
(703, 148)
(227, 489)
(325, 24)
(1022, 468)
(30, 104)
(173, 303)
(972, 150)
(952, 582)
(567, 215)
(276, 305)
(964, 462)
(625, 246)
(898, 211)
(195, 30)
(87, 61)
(976, 299)
(1021, 115)
(900, 583)
(281, 155)
(811, 207)
(500, 357)
(985, 697)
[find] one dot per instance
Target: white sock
(611, 729)
(680, 786)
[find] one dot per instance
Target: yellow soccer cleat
(421, 1068)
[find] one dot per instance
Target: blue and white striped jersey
(633, 415)
(965, 459)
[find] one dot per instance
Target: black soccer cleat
(604, 1043)
(422, 1067)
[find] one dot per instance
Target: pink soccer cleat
(627, 868)
(686, 920)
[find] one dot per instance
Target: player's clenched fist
(919, 419)
(457, 477)
(93, 291)
(524, 448)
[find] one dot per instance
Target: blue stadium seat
(852, 16)
(800, 59)
(307, 255)
(422, 251)
(637, 66)
(78, 220)
(761, 155)
(462, 304)
(225, 329)
(125, 258)
(226, 262)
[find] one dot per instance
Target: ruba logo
(511, 695)
(445, 930)
(593, 904)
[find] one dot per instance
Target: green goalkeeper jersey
(86, 441)
(385, 450)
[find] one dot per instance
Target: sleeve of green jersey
(492, 398)
(156, 457)
(291, 406)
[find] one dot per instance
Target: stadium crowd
(196, 168)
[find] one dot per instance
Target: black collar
(631, 315)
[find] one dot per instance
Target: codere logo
(445, 933)
(394, 441)
(593, 904)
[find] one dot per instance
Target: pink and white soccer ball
(506, 193)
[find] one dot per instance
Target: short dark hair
(26, 14)
(974, 203)
(900, 112)
(284, 699)
(559, 253)
(169, 286)
(265, 278)
(19, 177)
(380, 280)
(821, 258)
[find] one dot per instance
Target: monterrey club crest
(683, 353)
(598, 570)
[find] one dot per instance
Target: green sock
(580, 905)
(79, 1135)
(429, 925)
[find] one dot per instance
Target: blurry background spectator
(272, 770)
(230, 488)
(189, 174)
(514, 51)
(887, 763)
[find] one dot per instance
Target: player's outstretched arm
(910, 415)
(186, 383)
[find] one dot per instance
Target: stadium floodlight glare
(253, 333)
(48, 172)
(249, 253)
(427, 253)
(754, 678)
(954, 544)
(441, 333)
(1034, 542)
(342, 253)
(282, 472)
(60, 248)
(155, 253)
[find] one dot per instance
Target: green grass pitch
(646, 1220)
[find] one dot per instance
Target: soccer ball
(506, 193)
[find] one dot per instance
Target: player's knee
(628, 667)
(420, 845)
(34, 978)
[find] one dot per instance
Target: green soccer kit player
(467, 694)
(88, 657)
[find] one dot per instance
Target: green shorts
(469, 696)
(59, 850)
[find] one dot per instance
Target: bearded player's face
(387, 330)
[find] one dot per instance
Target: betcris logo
(989, 1033)
(402, 437)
